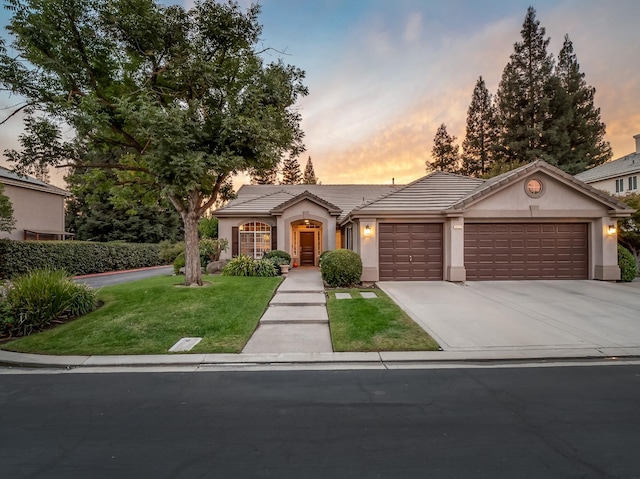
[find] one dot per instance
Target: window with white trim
(619, 185)
(633, 183)
(254, 239)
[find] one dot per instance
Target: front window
(633, 183)
(619, 185)
(255, 239)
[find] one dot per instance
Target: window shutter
(274, 238)
(234, 241)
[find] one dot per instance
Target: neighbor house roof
(622, 166)
(260, 200)
(10, 178)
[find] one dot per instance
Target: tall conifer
(309, 177)
(291, 172)
(481, 132)
(445, 153)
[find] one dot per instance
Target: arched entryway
(306, 236)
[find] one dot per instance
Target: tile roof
(259, 200)
(620, 167)
(30, 182)
(432, 193)
(499, 181)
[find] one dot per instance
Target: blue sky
(384, 74)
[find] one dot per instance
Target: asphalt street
(124, 276)
(545, 422)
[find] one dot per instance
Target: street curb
(354, 359)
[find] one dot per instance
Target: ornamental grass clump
(341, 268)
(244, 265)
(41, 297)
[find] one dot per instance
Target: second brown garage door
(526, 251)
(410, 251)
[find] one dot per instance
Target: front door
(307, 249)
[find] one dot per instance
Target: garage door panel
(535, 251)
(410, 251)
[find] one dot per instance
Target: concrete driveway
(504, 315)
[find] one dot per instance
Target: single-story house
(535, 222)
(38, 207)
(617, 177)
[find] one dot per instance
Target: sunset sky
(383, 75)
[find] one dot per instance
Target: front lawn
(151, 315)
(376, 324)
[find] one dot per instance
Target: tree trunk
(192, 269)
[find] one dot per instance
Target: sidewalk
(296, 320)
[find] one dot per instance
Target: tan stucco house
(535, 222)
(617, 177)
(38, 207)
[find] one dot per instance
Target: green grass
(377, 324)
(149, 316)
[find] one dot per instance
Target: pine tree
(309, 177)
(480, 138)
(291, 172)
(445, 153)
(524, 96)
(583, 131)
(264, 176)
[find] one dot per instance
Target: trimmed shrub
(244, 265)
(169, 251)
(278, 253)
(627, 264)
(178, 263)
(210, 249)
(76, 257)
(37, 299)
(322, 255)
(341, 268)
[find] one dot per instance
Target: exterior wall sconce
(612, 229)
(367, 230)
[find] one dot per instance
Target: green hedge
(75, 257)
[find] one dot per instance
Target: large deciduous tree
(7, 221)
(175, 100)
(445, 153)
(480, 138)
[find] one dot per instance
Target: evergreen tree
(583, 144)
(97, 212)
(264, 176)
(309, 177)
(445, 152)
(291, 172)
(480, 137)
(7, 221)
(525, 123)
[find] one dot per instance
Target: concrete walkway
(296, 320)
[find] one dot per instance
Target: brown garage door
(526, 251)
(410, 252)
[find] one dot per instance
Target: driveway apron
(495, 315)
(296, 320)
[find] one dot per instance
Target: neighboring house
(617, 177)
(535, 222)
(38, 207)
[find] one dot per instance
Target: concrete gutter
(325, 360)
